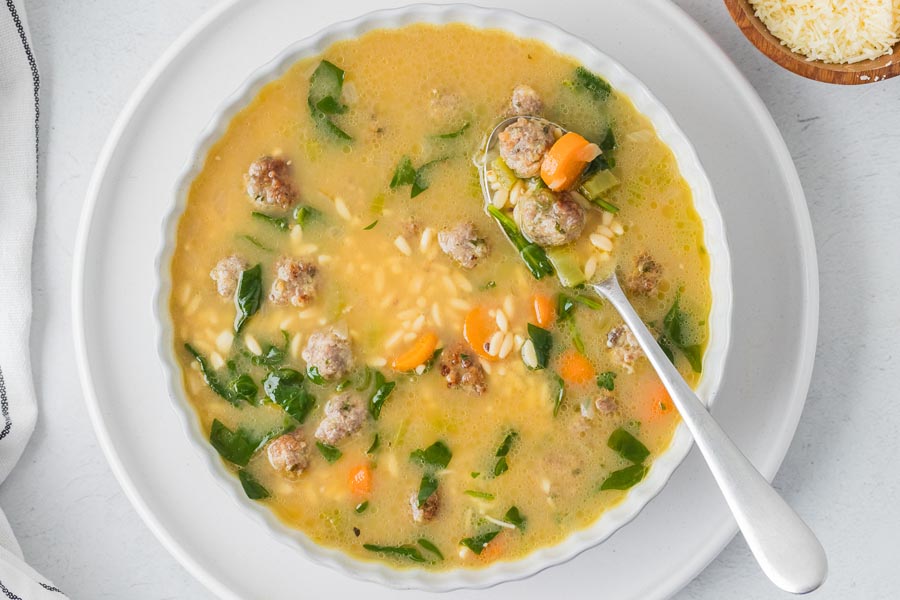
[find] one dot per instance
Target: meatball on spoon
(785, 547)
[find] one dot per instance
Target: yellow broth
(395, 86)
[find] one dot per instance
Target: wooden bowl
(866, 71)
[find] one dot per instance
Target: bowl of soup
(401, 379)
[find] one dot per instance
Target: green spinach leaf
(543, 343)
(431, 548)
(624, 479)
(253, 489)
(514, 517)
(410, 552)
(328, 451)
(627, 446)
(595, 85)
(279, 223)
(247, 296)
(234, 446)
(427, 487)
(285, 388)
(383, 389)
(436, 456)
(479, 542)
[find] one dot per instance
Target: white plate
(776, 299)
(714, 240)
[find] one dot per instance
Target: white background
(77, 528)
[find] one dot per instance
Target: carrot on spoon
(566, 160)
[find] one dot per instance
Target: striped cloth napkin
(19, 84)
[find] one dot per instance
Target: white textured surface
(75, 525)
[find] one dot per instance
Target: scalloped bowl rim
(720, 280)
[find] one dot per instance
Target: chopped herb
(420, 184)
(255, 242)
(427, 487)
(325, 88)
(371, 225)
(247, 296)
(560, 394)
(454, 134)
(404, 174)
(514, 517)
(375, 443)
(627, 446)
(410, 552)
(674, 324)
(328, 451)
(431, 548)
(477, 494)
(234, 446)
(278, 222)
(253, 489)
(533, 255)
(383, 389)
(474, 474)
(304, 213)
(543, 343)
(598, 87)
(501, 466)
(565, 304)
(624, 479)
(285, 388)
(361, 507)
(437, 455)
(479, 542)
(606, 380)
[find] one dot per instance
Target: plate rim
(796, 201)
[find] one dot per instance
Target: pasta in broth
(370, 354)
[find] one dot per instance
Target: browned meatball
(269, 182)
(523, 145)
(463, 244)
(645, 277)
(289, 454)
(461, 369)
(344, 416)
(548, 219)
(226, 274)
(429, 508)
(624, 346)
(329, 351)
(295, 282)
(525, 101)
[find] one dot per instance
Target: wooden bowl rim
(866, 71)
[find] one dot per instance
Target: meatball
(624, 346)
(463, 244)
(289, 454)
(461, 369)
(329, 352)
(548, 219)
(295, 282)
(344, 416)
(606, 404)
(226, 274)
(269, 182)
(645, 277)
(525, 101)
(523, 145)
(429, 508)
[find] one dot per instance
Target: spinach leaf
(279, 223)
(255, 242)
(429, 364)
(431, 548)
(624, 479)
(247, 296)
(304, 214)
(328, 451)
(534, 257)
(674, 324)
(479, 542)
(543, 343)
(285, 388)
(253, 489)
(371, 225)
(361, 507)
(404, 174)
(606, 381)
(501, 466)
(420, 183)
(627, 446)
(666, 346)
(514, 517)
(565, 305)
(560, 394)
(437, 456)
(243, 387)
(595, 85)
(234, 446)
(454, 134)
(477, 494)
(211, 378)
(383, 389)
(410, 552)
(273, 355)
(427, 487)
(312, 372)
(325, 88)
(375, 444)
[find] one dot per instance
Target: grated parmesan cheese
(833, 31)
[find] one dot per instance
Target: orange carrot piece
(478, 328)
(566, 160)
(419, 353)
(360, 480)
(658, 404)
(494, 549)
(574, 368)
(544, 313)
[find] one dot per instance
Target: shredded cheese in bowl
(833, 31)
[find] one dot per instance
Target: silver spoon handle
(785, 547)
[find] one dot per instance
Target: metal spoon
(784, 546)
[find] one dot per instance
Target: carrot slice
(478, 328)
(494, 549)
(360, 480)
(544, 312)
(419, 353)
(566, 160)
(574, 368)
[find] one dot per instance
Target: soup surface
(368, 351)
